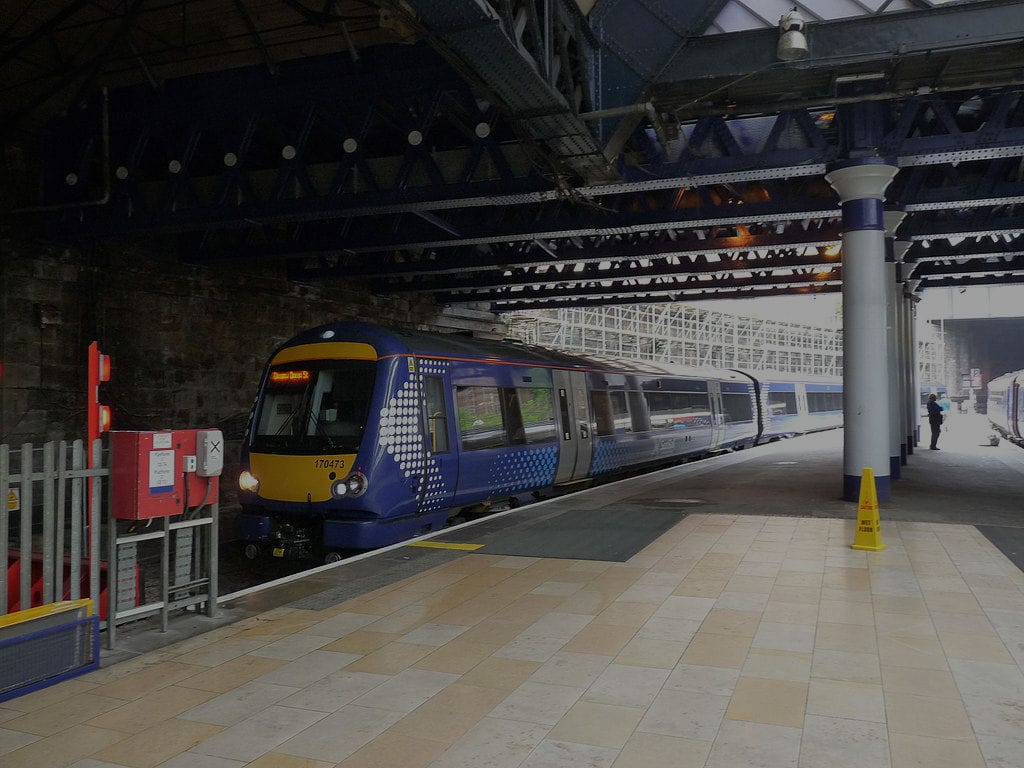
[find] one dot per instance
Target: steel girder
(641, 296)
(536, 57)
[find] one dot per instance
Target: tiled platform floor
(729, 642)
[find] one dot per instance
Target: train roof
(392, 341)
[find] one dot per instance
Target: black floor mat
(1009, 541)
(584, 534)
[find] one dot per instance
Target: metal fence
(52, 548)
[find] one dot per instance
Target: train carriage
(361, 436)
(1005, 406)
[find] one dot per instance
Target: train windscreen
(315, 407)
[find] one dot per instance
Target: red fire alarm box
(154, 474)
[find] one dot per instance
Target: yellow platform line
(446, 545)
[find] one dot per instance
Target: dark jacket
(934, 412)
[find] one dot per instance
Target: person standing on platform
(934, 420)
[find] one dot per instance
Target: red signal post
(98, 420)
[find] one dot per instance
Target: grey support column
(907, 383)
(915, 387)
(894, 295)
(861, 187)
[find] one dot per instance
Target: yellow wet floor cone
(869, 526)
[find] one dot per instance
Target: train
(1005, 406)
(363, 436)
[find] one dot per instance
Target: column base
(894, 467)
(851, 488)
(903, 453)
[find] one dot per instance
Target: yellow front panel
(298, 478)
(328, 350)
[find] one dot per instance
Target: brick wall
(187, 342)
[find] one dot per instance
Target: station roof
(523, 153)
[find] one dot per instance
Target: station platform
(708, 615)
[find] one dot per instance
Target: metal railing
(54, 532)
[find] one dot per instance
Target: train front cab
(336, 454)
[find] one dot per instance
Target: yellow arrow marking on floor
(446, 545)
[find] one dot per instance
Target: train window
(437, 413)
(675, 410)
(538, 415)
(324, 411)
(738, 406)
(620, 412)
(601, 421)
(821, 402)
(481, 422)
(781, 403)
(639, 411)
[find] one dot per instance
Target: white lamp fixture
(792, 41)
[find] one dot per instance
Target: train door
(717, 414)
(574, 442)
(440, 471)
(1016, 423)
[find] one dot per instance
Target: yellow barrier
(42, 611)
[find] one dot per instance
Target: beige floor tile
(792, 578)
(853, 701)
(806, 595)
(624, 614)
(152, 709)
(791, 613)
(718, 681)
(844, 665)
(742, 744)
(62, 749)
(907, 606)
(784, 637)
(975, 647)
(217, 653)
(846, 578)
(685, 714)
(933, 683)
(654, 750)
(711, 650)
(494, 631)
(12, 740)
(493, 742)
(778, 665)
(449, 714)
(63, 714)
(846, 613)
(952, 602)
(602, 639)
(601, 725)
(392, 749)
(923, 752)
(700, 587)
(158, 676)
(841, 743)
(277, 760)
(923, 716)
(231, 674)
(846, 637)
(904, 624)
(775, 702)
(361, 641)
(503, 674)
(911, 651)
(646, 652)
(589, 602)
(752, 584)
(30, 702)
(158, 744)
(458, 656)
(724, 621)
(391, 659)
(945, 621)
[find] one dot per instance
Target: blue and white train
(362, 436)
(1005, 406)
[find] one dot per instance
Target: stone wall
(187, 342)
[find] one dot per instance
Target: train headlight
(248, 482)
(356, 483)
(353, 485)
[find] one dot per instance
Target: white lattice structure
(686, 335)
